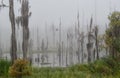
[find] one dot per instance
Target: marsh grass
(103, 68)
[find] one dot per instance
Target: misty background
(45, 13)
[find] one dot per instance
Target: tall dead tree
(38, 45)
(53, 32)
(90, 42)
(60, 48)
(38, 40)
(47, 42)
(78, 38)
(96, 41)
(25, 22)
(54, 42)
(67, 50)
(43, 51)
(13, 35)
(82, 46)
(62, 53)
(70, 46)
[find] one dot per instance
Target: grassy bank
(103, 68)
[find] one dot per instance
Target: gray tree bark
(13, 35)
(25, 21)
(96, 41)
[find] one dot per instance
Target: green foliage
(114, 64)
(20, 68)
(4, 67)
(112, 36)
(104, 68)
(101, 67)
(114, 19)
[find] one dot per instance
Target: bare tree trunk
(89, 46)
(71, 52)
(96, 41)
(62, 53)
(67, 57)
(78, 39)
(70, 47)
(25, 20)
(67, 51)
(90, 43)
(82, 46)
(13, 35)
(38, 46)
(59, 50)
(25, 42)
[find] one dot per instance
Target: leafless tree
(67, 50)
(62, 53)
(13, 35)
(90, 42)
(60, 47)
(53, 32)
(38, 45)
(82, 46)
(54, 41)
(96, 41)
(70, 47)
(25, 22)
(78, 38)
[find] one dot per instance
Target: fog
(48, 12)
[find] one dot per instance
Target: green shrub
(99, 67)
(20, 68)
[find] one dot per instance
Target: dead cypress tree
(90, 43)
(59, 49)
(70, 46)
(82, 46)
(62, 53)
(47, 42)
(54, 42)
(67, 50)
(96, 41)
(25, 22)
(43, 51)
(38, 45)
(13, 35)
(53, 33)
(78, 38)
